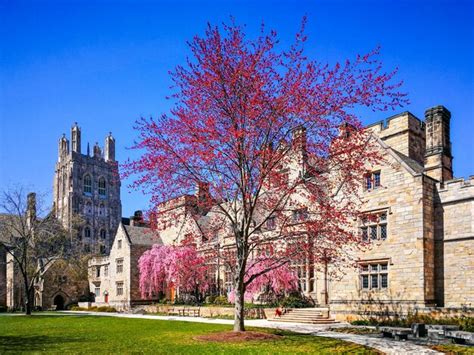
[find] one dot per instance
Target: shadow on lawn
(17, 343)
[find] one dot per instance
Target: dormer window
(372, 180)
(87, 184)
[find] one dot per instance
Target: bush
(296, 301)
(3, 309)
(209, 299)
(221, 301)
(186, 299)
(361, 322)
(107, 309)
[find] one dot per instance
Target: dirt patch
(237, 337)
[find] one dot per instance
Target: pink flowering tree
(259, 125)
(172, 266)
(277, 280)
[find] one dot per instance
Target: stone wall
(61, 279)
(435, 312)
(211, 311)
(408, 249)
(404, 133)
(455, 241)
(107, 281)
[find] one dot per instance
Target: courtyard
(52, 333)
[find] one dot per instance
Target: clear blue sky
(106, 63)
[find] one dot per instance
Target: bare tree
(33, 237)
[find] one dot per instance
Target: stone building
(422, 249)
(57, 283)
(114, 279)
(89, 187)
(421, 244)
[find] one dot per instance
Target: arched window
(87, 232)
(102, 187)
(103, 234)
(87, 184)
(101, 209)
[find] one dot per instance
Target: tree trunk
(239, 307)
(27, 301)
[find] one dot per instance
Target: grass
(87, 334)
(453, 349)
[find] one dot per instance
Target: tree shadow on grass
(21, 343)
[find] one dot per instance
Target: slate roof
(417, 167)
(142, 236)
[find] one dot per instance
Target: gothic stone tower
(88, 186)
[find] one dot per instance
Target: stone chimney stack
(438, 158)
(76, 138)
(30, 209)
(137, 219)
(298, 138)
(63, 148)
(203, 194)
(109, 148)
(202, 191)
(298, 144)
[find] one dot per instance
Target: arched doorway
(59, 302)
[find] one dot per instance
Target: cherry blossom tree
(276, 138)
(172, 266)
(277, 280)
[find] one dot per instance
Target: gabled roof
(142, 236)
(412, 166)
(417, 167)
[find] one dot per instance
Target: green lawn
(88, 334)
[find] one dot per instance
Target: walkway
(386, 345)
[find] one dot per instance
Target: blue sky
(105, 63)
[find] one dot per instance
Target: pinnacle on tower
(109, 148)
(76, 138)
(63, 150)
(97, 150)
